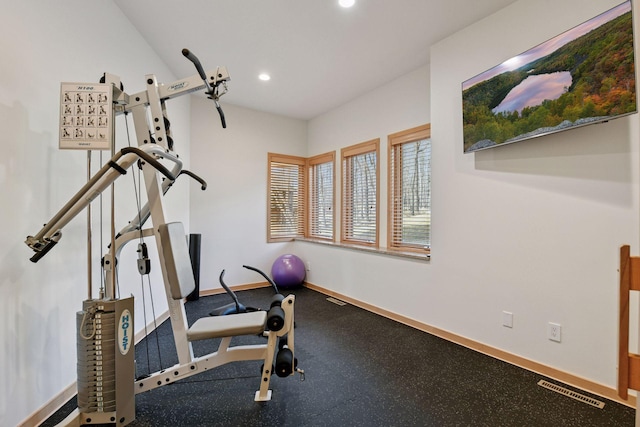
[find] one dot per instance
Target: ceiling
(319, 55)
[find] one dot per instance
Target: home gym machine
(105, 333)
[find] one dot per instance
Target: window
(360, 173)
(321, 201)
(286, 204)
(409, 219)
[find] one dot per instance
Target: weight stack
(105, 368)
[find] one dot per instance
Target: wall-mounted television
(583, 76)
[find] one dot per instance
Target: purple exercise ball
(288, 271)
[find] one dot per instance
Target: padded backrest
(177, 260)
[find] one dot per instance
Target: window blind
(286, 186)
(410, 190)
(360, 193)
(321, 196)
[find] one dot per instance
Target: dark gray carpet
(361, 370)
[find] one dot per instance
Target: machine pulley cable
(144, 264)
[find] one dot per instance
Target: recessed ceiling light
(346, 3)
(264, 77)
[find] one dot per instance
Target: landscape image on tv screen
(582, 76)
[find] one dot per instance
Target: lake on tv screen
(534, 90)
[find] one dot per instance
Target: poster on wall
(86, 116)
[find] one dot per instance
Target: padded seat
(227, 326)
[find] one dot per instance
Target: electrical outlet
(554, 331)
(308, 265)
(507, 319)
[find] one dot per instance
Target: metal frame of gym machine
(106, 383)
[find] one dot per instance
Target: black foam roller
(277, 300)
(275, 318)
(284, 362)
(194, 253)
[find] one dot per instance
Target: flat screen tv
(583, 76)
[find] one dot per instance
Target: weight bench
(232, 325)
(180, 282)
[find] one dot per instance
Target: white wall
(231, 214)
(532, 228)
(538, 224)
(42, 44)
(393, 107)
(383, 281)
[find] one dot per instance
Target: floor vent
(572, 394)
(336, 301)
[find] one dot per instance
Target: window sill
(379, 251)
